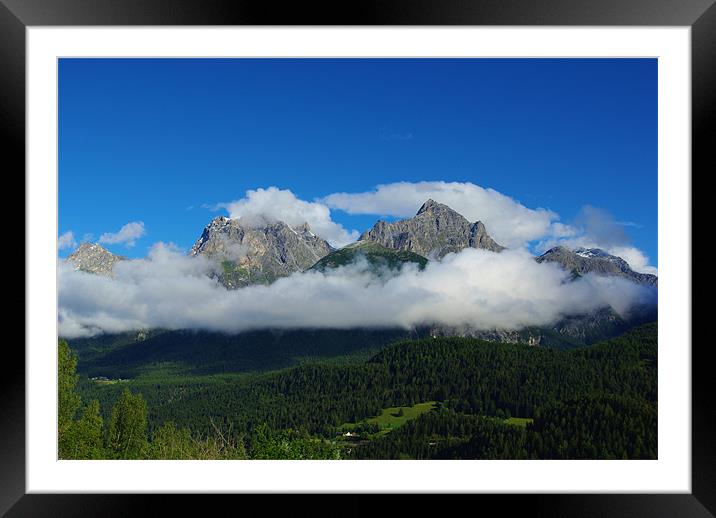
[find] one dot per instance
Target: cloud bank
(478, 288)
(127, 235)
(274, 204)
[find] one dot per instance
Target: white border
(670, 473)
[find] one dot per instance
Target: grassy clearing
(109, 381)
(518, 421)
(392, 418)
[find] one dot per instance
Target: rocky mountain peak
(260, 252)
(434, 231)
(94, 258)
(431, 206)
(304, 229)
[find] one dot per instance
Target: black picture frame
(700, 15)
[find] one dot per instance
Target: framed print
(413, 251)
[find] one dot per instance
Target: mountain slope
(128, 355)
(467, 376)
(261, 254)
(378, 257)
(593, 260)
(435, 231)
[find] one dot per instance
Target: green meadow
(392, 417)
(522, 422)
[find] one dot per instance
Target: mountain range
(259, 252)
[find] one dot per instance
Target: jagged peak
(431, 206)
(217, 222)
(303, 227)
(94, 258)
(87, 246)
(221, 224)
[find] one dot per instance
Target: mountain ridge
(261, 253)
(581, 261)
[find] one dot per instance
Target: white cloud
(478, 288)
(638, 261)
(601, 227)
(509, 222)
(126, 235)
(274, 204)
(66, 240)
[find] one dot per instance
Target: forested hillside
(593, 402)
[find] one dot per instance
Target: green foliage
(291, 444)
(127, 436)
(84, 438)
(68, 401)
(170, 443)
(593, 427)
(596, 427)
(440, 434)
(380, 258)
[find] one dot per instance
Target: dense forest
(491, 401)
(84, 434)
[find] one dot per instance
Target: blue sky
(159, 140)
